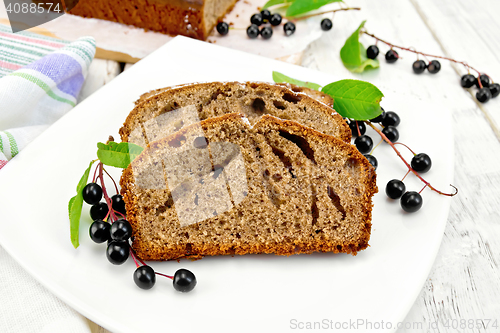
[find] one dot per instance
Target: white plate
(246, 293)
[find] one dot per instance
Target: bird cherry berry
(99, 231)
(354, 125)
(364, 144)
(144, 277)
(494, 89)
(434, 67)
(411, 201)
(289, 28)
(257, 19)
(395, 189)
(372, 51)
(419, 66)
(99, 211)
(121, 230)
(372, 159)
(275, 19)
(467, 80)
(118, 203)
(421, 163)
(222, 28)
(92, 193)
(117, 252)
(391, 133)
(483, 95)
(266, 32)
(326, 24)
(378, 118)
(391, 56)
(184, 280)
(253, 31)
(391, 118)
(266, 14)
(485, 81)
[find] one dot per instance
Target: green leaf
(75, 208)
(353, 54)
(358, 100)
(299, 7)
(118, 155)
(280, 78)
(271, 3)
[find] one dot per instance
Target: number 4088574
(32, 8)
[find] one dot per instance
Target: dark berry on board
(92, 193)
(483, 95)
(326, 24)
(468, 80)
(485, 81)
(391, 56)
(419, 66)
(379, 118)
(99, 231)
(391, 118)
(257, 19)
(391, 133)
(184, 280)
(395, 189)
(117, 252)
(372, 51)
(494, 89)
(354, 125)
(118, 203)
(364, 144)
(411, 201)
(222, 28)
(275, 20)
(372, 159)
(289, 28)
(266, 14)
(266, 32)
(121, 230)
(434, 66)
(421, 163)
(99, 211)
(253, 31)
(144, 277)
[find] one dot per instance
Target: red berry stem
(406, 174)
(114, 183)
(168, 276)
(408, 165)
(421, 53)
(321, 13)
(94, 179)
(133, 257)
(357, 127)
(399, 143)
(423, 188)
(105, 194)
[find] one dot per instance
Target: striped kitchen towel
(40, 79)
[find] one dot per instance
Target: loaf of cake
(224, 187)
(165, 111)
(192, 18)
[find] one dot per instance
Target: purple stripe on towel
(65, 71)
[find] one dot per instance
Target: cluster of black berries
(487, 90)
(390, 120)
(419, 66)
(410, 201)
(117, 235)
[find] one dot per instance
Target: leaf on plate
(118, 155)
(75, 207)
(282, 78)
(358, 100)
(299, 7)
(271, 3)
(353, 54)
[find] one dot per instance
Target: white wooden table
(464, 284)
